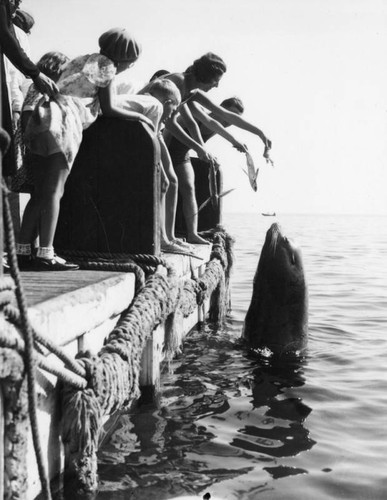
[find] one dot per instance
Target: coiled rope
(122, 262)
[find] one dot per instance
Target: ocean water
(241, 427)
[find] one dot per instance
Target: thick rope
(122, 262)
(85, 254)
(28, 339)
(77, 379)
(122, 267)
(61, 373)
(113, 375)
(13, 315)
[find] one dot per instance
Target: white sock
(45, 252)
(23, 248)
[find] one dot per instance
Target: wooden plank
(42, 286)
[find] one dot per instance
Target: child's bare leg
(50, 192)
(31, 215)
(171, 191)
(30, 221)
(163, 190)
(186, 177)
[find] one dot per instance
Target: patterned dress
(56, 124)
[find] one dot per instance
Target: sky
(312, 75)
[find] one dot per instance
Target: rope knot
(88, 361)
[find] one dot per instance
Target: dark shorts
(179, 152)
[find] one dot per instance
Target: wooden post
(112, 196)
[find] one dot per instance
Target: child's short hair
(207, 67)
(166, 88)
(52, 64)
(160, 73)
(233, 102)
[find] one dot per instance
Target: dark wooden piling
(111, 200)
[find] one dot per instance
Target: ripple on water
(244, 428)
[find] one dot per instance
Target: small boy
(157, 101)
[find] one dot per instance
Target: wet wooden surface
(41, 286)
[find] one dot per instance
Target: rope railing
(113, 374)
(13, 315)
(61, 373)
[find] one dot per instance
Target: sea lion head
(278, 314)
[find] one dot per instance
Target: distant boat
(272, 214)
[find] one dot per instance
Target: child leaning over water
(54, 133)
(157, 101)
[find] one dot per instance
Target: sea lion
(278, 314)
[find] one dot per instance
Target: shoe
(55, 264)
(25, 262)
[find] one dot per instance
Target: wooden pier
(77, 310)
(111, 205)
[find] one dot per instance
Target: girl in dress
(53, 136)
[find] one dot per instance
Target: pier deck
(77, 310)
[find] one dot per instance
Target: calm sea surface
(245, 428)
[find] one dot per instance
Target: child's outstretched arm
(110, 109)
(199, 113)
(173, 126)
(230, 117)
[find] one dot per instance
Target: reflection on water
(282, 428)
(248, 428)
(222, 414)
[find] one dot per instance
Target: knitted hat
(118, 45)
(23, 20)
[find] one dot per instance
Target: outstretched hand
(266, 153)
(242, 148)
